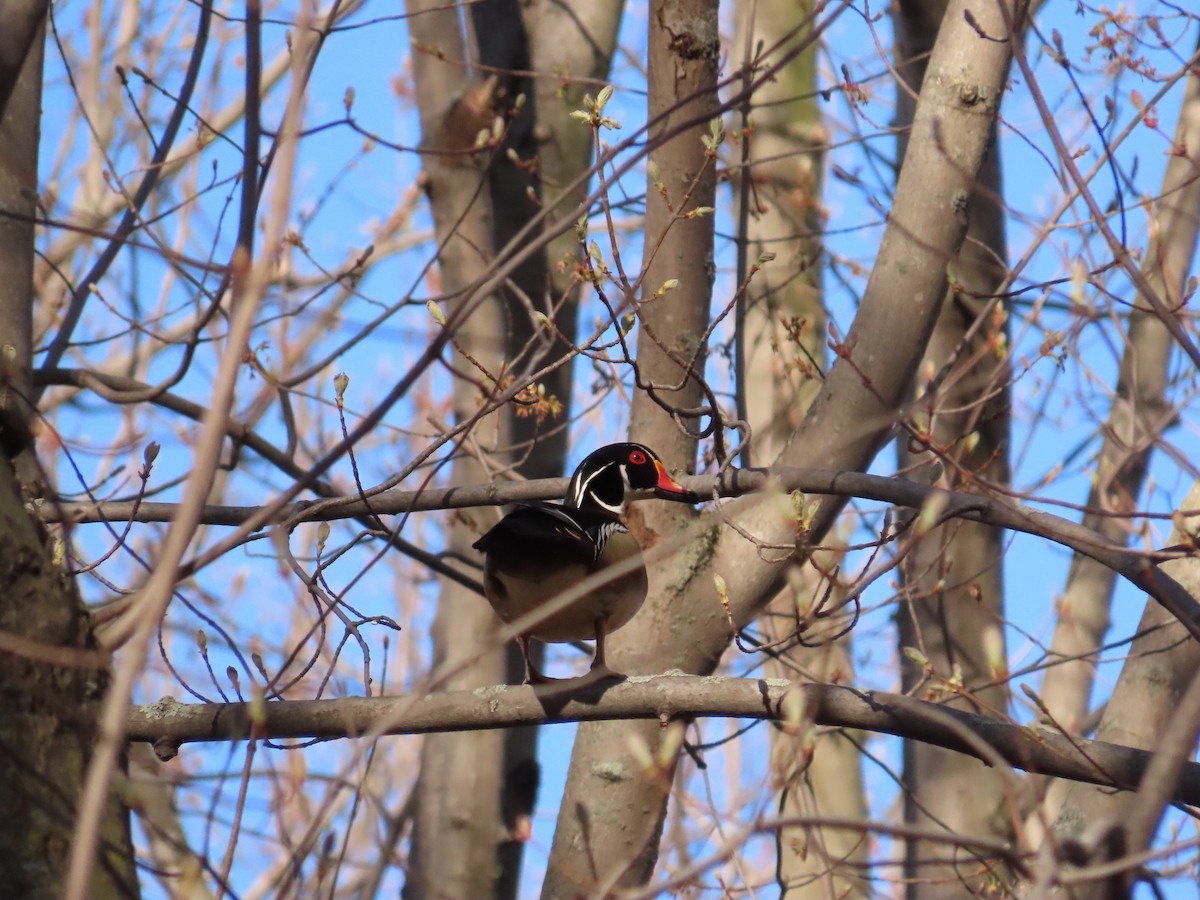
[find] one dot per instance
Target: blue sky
(345, 188)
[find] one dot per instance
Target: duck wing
(578, 535)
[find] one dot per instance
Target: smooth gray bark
(848, 422)
(953, 608)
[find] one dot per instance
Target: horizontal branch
(734, 483)
(168, 723)
(1000, 512)
(386, 503)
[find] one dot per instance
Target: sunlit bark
(954, 605)
(1139, 415)
(458, 825)
(847, 424)
(783, 356)
(684, 54)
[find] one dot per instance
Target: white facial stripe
(583, 490)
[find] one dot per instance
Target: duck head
(614, 475)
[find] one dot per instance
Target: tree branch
(1137, 567)
(169, 723)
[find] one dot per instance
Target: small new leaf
(715, 137)
(669, 285)
(722, 590)
(655, 176)
(918, 657)
(931, 513)
(993, 649)
(672, 740)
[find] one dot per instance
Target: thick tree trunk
(783, 340)
(483, 820)
(459, 826)
(1163, 660)
(1162, 664)
(21, 53)
(820, 775)
(684, 50)
(50, 687)
(784, 324)
(612, 810)
(953, 611)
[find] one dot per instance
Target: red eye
(638, 458)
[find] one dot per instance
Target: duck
(540, 550)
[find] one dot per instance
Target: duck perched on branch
(541, 550)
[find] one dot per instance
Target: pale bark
(168, 723)
(458, 824)
(684, 53)
(575, 39)
(509, 339)
(1164, 659)
(177, 867)
(954, 601)
(785, 218)
(1162, 663)
(847, 424)
(821, 781)
(1139, 414)
(783, 332)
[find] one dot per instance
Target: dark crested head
(612, 476)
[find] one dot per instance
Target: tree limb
(169, 723)
(1137, 567)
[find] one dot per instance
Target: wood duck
(539, 550)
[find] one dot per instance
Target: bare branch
(169, 723)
